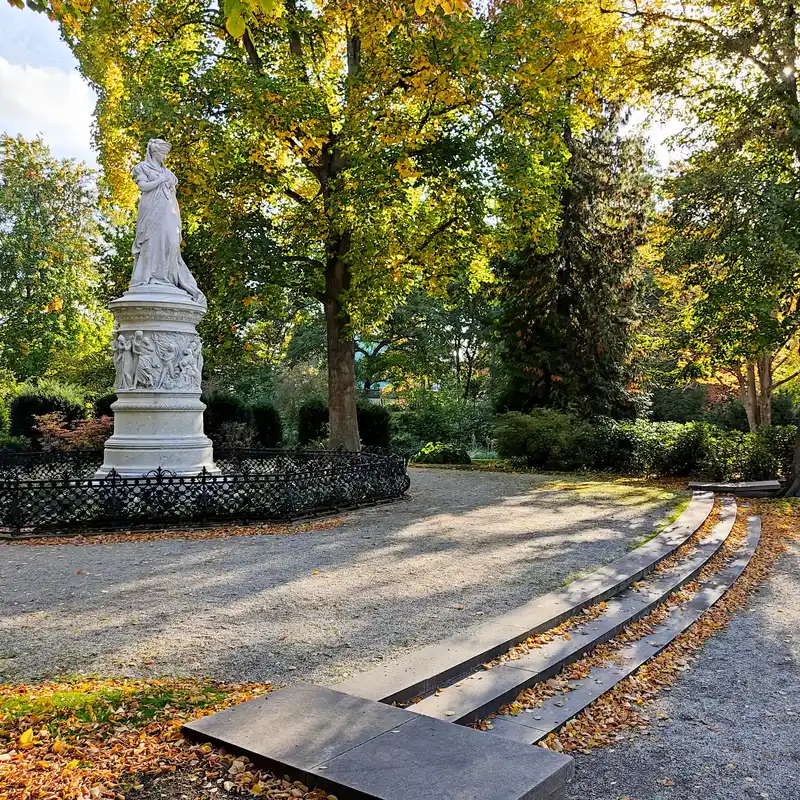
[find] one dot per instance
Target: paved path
(732, 727)
(313, 606)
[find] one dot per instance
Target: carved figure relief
(162, 360)
(157, 255)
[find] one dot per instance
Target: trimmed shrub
(374, 425)
(266, 422)
(438, 453)
(102, 404)
(312, 421)
(540, 439)
(234, 436)
(46, 397)
(222, 407)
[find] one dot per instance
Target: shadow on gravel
(465, 546)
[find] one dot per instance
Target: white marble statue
(157, 247)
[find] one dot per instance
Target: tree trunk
(765, 390)
(747, 391)
(341, 380)
(341, 352)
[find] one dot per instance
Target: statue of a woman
(157, 247)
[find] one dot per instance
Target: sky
(42, 92)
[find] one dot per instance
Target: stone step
(423, 671)
(485, 691)
(530, 728)
(359, 748)
(740, 489)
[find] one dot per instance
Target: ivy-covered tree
(570, 315)
(51, 292)
(373, 137)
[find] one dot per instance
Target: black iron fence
(49, 493)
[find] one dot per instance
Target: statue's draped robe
(157, 246)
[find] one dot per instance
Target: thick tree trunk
(341, 380)
(341, 352)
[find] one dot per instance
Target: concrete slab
(300, 726)
(422, 671)
(363, 749)
(429, 759)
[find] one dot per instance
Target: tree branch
(776, 384)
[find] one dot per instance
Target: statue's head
(158, 149)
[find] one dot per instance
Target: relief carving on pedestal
(163, 360)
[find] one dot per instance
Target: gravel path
(732, 727)
(317, 605)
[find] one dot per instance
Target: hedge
(552, 440)
(374, 423)
(266, 423)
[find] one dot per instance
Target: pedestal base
(156, 431)
(158, 416)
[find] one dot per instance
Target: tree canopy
(366, 147)
(51, 292)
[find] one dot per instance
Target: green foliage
(374, 425)
(570, 312)
(14, 444)
(266, 421)
(46, 396)
(102, 404)
(5, 416)
(439, 453)
(678, 403)
(551, 440)
(312, 421)
(445, 416)
(222, 408)
(732, 252)
(51, 292)
(540, 439)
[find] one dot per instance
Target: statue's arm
(148, 186)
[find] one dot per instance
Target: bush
(222, 407)
(45, 397)
(541, 439)
(56, 433)
(551, 440)
(266, 423)
(374, 425)
(102, 404)
(14, 444)
(438, 453)
(679, 404)
(442, 416)
(312, 421)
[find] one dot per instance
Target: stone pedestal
(158, 416)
